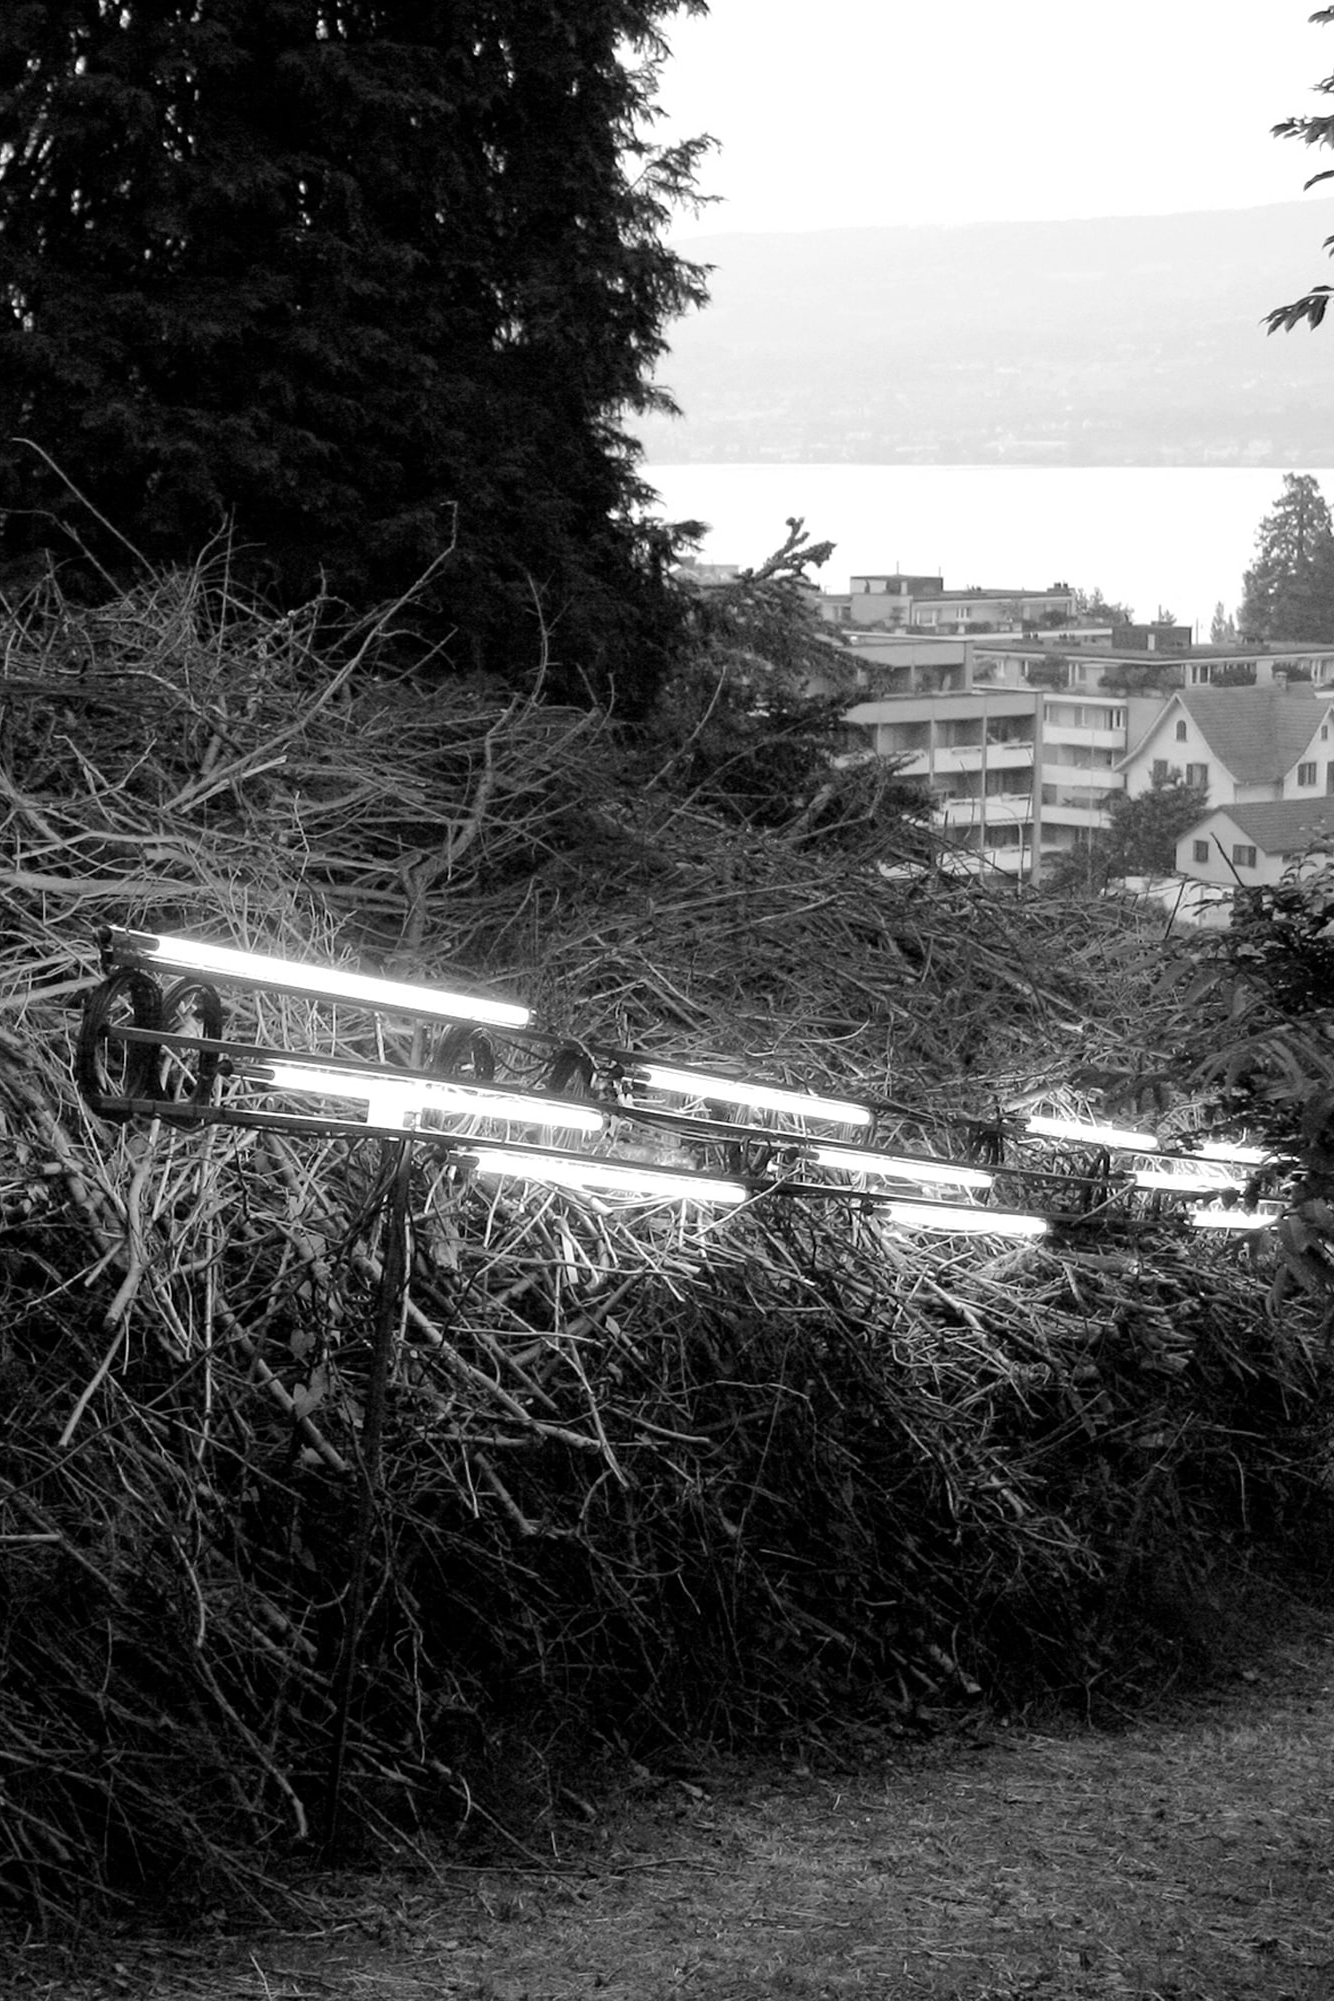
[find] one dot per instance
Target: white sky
(865, 112)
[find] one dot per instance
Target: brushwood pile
(644, 1476)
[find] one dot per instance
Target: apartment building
(976, 750)
(1026, 722)
(894, 601)
(1085, 658)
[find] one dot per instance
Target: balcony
(1071, 733)
(997, 810)
(1075, 805)
(1079, 777)
(998, 757)
(918, 759)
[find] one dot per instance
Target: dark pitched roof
(1277, 826)
(1257, 733)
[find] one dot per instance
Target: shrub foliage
(629, 1477)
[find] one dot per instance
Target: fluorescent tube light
(764, 1097)
(192, 955)
(1242, 1156)
(856, 1160)
(1089, 1133)
(607, 1177)
(1167, 1181)
(965, 1222)
(1215, 1217)
(430, 1094)
(388, 1107)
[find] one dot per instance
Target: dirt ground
(1186, 1857)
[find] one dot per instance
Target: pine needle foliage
(366, 282)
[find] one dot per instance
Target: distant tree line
(376, 286)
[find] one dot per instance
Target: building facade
(1250, 844)
(1240, 745)
(893, 601)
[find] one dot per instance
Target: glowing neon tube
(856, 1160)
(764, 1097)
(1089, 1133)
(607, 1177)
(393, 1095)
(1215, 1217)
(192, 955)
(1164, 1181)
(965, 1222)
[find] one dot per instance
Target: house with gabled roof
(1241, 745)
(1247, 844)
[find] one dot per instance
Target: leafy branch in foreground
(1318, 131)
(1255, 1032)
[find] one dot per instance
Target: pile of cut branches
(635, 1474)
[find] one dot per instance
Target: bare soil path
(1188, 1857)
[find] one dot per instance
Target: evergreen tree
(372, 280)
(1288, 592)
(1223, 629)
(753, 720)
(1106, 611)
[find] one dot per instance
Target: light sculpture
(401, 1103)
(1087, 1132)
(737, 1091)
(1171, 1180)
(592, 1175)
(900, 1167)
(1242, 1156)
(392, 1098)
(961, 1220)
(1217, 1216)
(163, 951)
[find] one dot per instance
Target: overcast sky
(861, 112)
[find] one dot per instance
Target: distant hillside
(1116, 341)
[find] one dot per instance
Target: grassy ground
(1186, 1857)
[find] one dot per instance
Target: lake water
(1179, 537)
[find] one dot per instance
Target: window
(1084, 716)
(1306, 774)
(1159, 772)
(1181, 732)
(1200, 851)
(1198, 774)
(1243, 854)
(1324, 732)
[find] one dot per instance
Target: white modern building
(895, 601)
